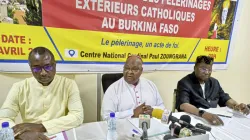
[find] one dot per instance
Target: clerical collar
(135, 84)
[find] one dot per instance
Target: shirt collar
(131, 85)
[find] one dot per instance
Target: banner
(98, 35)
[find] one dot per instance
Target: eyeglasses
(39, 69)
(203, 70)
(134, 69)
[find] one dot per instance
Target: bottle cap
(5, 124)
(112, 115)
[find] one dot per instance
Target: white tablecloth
(238, 128)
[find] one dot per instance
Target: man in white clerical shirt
(131, 95)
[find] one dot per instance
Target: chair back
(174, 100)
(108, 79)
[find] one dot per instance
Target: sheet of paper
(225, 120)
(219, 110)
(59, 136)
(237, 129)
(238, 114)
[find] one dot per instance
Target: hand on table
(212, 119)
(242, 108)
(28, 127)
(148, 110)
(32, 136)
(139, 110)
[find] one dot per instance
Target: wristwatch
(201, 112)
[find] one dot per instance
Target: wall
(235, 80)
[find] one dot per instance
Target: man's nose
(130, 71)
(207, 72)
(43, 72)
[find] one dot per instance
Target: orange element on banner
(13, 39)
(11, 51)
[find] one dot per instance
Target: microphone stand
(171, 135)
(145, 132)
(172, 129)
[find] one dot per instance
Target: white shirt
(122, 98)
(203, 90)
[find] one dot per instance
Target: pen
(224, 116)
(52, 137)
(136, 132)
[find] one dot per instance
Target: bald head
(42, 64)
(135, 59)
(38, 51)
(132, 69)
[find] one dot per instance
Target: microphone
(144, 123)
(157, 113)
(181, 122)
(181, 132)
(172, 132)
(172, 127)
(166, 117)
(185, 132)
(163, 115)
(203, 127)
(187, 119)
(184, 121)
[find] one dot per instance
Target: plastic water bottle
(6, 133)
(112, 134)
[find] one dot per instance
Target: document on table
(224, 113)
(59, 136)
(225, 120)
(219, 111)
(156, 127)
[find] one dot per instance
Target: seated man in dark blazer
(199, 90)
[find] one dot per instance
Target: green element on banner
(33, 16)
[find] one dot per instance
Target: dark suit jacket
(189, 91)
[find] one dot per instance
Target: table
(237, 129)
